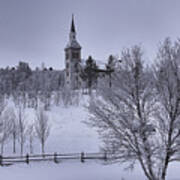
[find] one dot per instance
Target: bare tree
(125, 116)
(42, 127)
(6, 127)
(3, 103)
(14, 128)
(22, 126)
(10, 115)
(167, 78)
(67, 96)
(31, 133)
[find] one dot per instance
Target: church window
(67, 65)
(75, 55)
(67, 73)
(67, 56)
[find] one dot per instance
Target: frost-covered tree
(126, 117)
(15, 127)
(31, 135)
(6, 127)
(22, 126)
(167, 80)
(66, 96)
(42, 127)
(3, 103)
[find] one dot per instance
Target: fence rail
(55, 157)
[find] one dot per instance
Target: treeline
(29, 86)
(45, 85)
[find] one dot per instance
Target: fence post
(82, 157)
(1, 160)
(27, 158)
(55, 157)
(105, 156)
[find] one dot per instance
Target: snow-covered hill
(70, 134)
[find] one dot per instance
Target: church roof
(73, 44)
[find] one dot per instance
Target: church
(73, 60)
(75, 65)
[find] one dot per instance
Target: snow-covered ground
(70, 134)
(75, 171)
(67, 171)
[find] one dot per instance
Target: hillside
(70, 134)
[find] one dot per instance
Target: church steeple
(72, 59)
(72, 25)
(72, 37)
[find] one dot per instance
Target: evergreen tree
(90, 74)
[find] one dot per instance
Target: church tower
(72, 60)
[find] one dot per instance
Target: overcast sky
(37, 31)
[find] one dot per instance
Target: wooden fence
(56, 158)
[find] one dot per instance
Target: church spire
(72, 37)
(72, 25)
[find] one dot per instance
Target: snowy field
(75, 171)
(70, 134)
(67, 171)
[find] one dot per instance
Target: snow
(73, 171)
(70, 134)
(66, 171)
